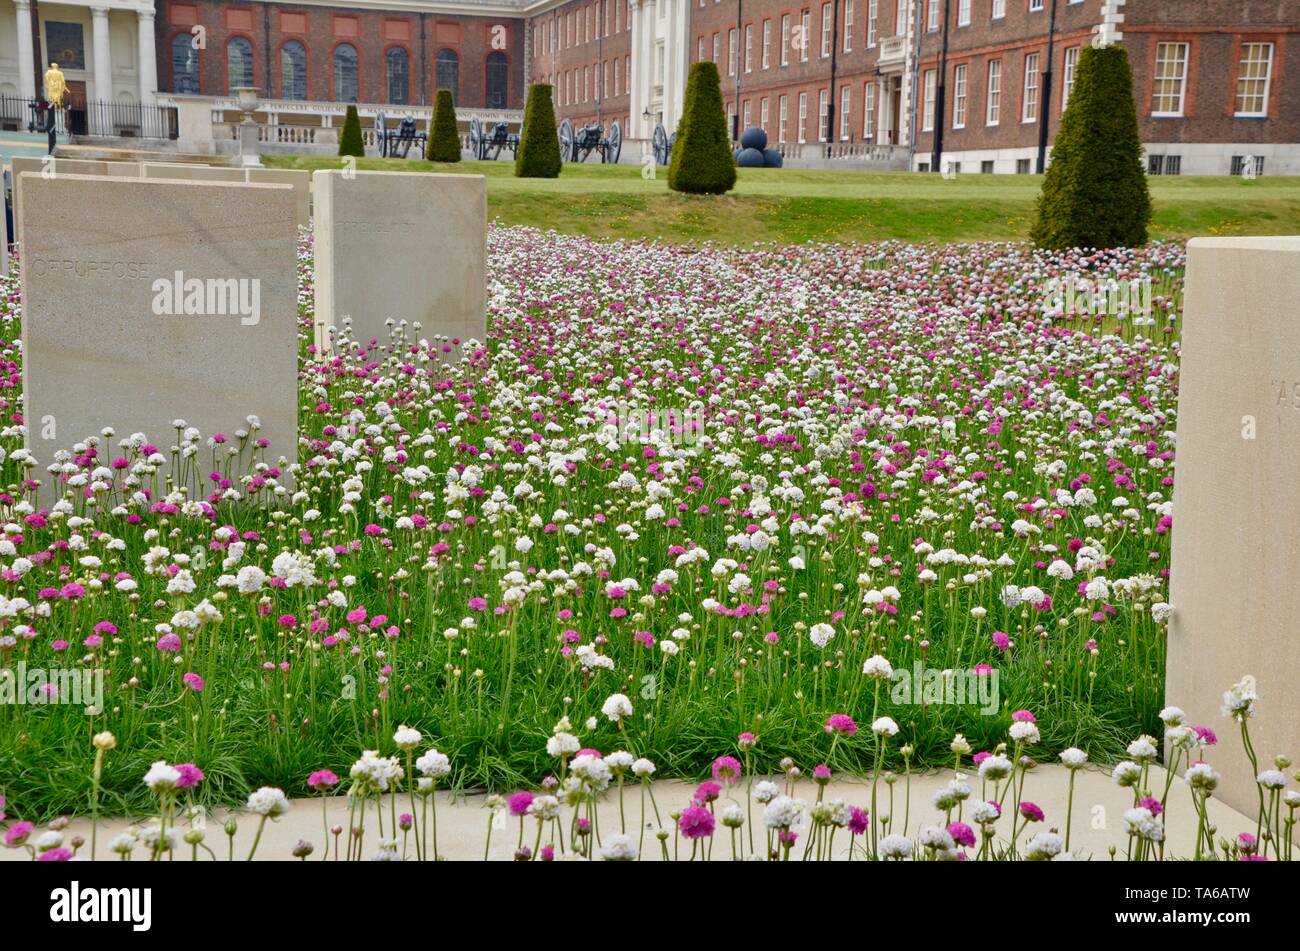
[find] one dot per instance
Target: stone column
(26, 64)
(148, 58)
(635, 95)
(100, 49)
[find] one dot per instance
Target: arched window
(293, 71)
(498, 79)
(449, 72)
(185, 66)
(398, 76)
(239, 64)
(345, 73)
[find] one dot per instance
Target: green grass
(799, 205)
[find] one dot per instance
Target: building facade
(956, 85)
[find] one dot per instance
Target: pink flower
(193, 681)
(1023, 716)
(859, 822)
(169, 643)
(55, 855)
(1031, 811)
(191, 776)
(18, 833)
(322, 779)
(519, 802)
(706, 792)
(727, 769)
(962, 834)
(841, 723)
(696, 823)
(1001, 641)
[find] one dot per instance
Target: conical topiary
(350, 142)
(539, 144)
(1095, 192)
(701, 161)
(444, 140)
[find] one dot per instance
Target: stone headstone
(150, 301)
(300, 181)
(1236, 531)
(48, 166)
(410, 246)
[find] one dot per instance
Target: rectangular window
(1035, 5)
(699, 50)
(959, 97)
(715, 47)
(731, 52)
(900, 18)
(927, 114)
(993, 110)
(805, 31)
(826, 30)
(823, 113)
(846, 103)
(749, 47)
(767, 43)
(932, 17)
(986, 167)
(782, 119)
(848, 26)
(1067, 84)
(1029, 111)
(762, 113)
(1169, 79)
(785, 39)
(999, 10)
(963, 12)
(1254, 73)
(1239, 165)
(1022, 166)
(803, 117)
(868, 110)
(744, 120)
(873, 9)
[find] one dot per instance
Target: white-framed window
(868, 110)
(616, 71)
(1035, 5)
(999, 10)
(959, 97)
(744, 113)
(783, 115)
(805, 34)
(900, 18)
(873, 13)
(826, 30)
(848, 26)
(993, 108)
(927, 113)
(767, 43)
(1068, 74)
(699, 50)
(1029, 104)
(749, 47)
(963, 12)
(846, 103)
(731, 51)
(1169, 83)
(823, 113)
(932, 16)
(785, 39)
(803, 117)
(586, 84)
(1254, 75)
(762, 113)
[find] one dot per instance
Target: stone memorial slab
(150, 301)
(300, 181)
(1236, 533)
(50, 166)
(410, 246)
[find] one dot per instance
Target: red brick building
(361, 51)
(583, 49)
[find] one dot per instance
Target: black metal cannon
(482, 142)
(577, 144)
(391, 142)
(663, 144)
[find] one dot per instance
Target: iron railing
(94, 118)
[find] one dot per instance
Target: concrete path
(1099, 807)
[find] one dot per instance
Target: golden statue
(56, 87)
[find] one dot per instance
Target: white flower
(1024, 732)
(995, 767)
(1126, 773)
(982, 813)
(1272, 779)
(884, 726)
(1142, 823)
(821, 634)
(643, 768)
(731, 814)
(407, 738)
(562, 744)
(1239, 700)
(1044, 847)
(617, 707)
(620, 761)
(765, 791)
(1074, 758)
(268, 801)
(1143, 748)
(783, 812)
(1202, 776)
(433, 765)
(878, 668)
(938, 838)
(618, 848)
(896, 847)
(161, 778)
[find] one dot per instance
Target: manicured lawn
(796, 205)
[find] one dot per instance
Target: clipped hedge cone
(701, 162)
(539, 142)
(444, 140)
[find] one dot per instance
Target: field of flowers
(715, 481)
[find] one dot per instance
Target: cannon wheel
(615, 146)
(381, 134)
(660, 140)
(566, 141)
(476, 137)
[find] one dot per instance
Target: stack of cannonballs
(754, 153)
